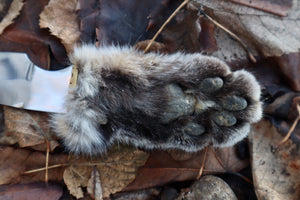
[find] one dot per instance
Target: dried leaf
(25, 35)
(207, 40)
(27, 128)
(94, 187)
(184, 34)
(280, 8)
(289, 68)
(14, 162)
(275, 171)
(117, 169)
(281, 106)
(88, 15)
(75, 179)
(31, 191)
(12, 11)
(155, 47)
(4, 7)
(270, 35)
(68, 28)
(124, 22)
(162, 168)
(265, 35)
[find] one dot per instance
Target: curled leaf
(61, 18)
(10, 11)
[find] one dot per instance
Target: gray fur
(121, 94)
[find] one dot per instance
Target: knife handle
(74, 76)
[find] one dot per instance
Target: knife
(25, 85)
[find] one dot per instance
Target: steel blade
(24, 85)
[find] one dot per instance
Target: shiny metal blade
(24, 85)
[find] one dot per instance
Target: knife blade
(25, 85)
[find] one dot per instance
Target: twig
(242, 177)
(252, 58)
(164, 24)
(44, 168)
(202, 165)
(218, 159)
(47, 160)
(75, 164)
(291, 129)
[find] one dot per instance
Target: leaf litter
(272, 39)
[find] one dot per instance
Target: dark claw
(211, 85)
(224, 119)
(234, 103)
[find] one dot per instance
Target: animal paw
(182, 101)
(218, 110)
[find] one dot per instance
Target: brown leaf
(14, 162)
(184, 34)
(280, 8)
(117, 169)
(4, 7)
(207, 40)
(155, 46)
(124, 22)
(25, 35)
(88, 15)
(75, 178)
(68, 28)
(280, 107)
(48, 191)
(162, 167)
(27, 128)
(266, 35)
(94, 187)
(9, 10)
(275, 171)
(289, 68)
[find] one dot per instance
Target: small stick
(166, 22)
(242, 177)
(252, 58)
(291, 129)
(202, 165)
(44, 168)
(47, 160)
(218, 159)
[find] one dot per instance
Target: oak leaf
(94, 187)
(117, 169)
(61, 18)
(275, 170)
(162, 167)
(27, 128)
(15, 162)
(12, 11)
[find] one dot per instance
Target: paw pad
(193, 129)
(179, 104)
(234, 103)
(211, 85)
(224, 119)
